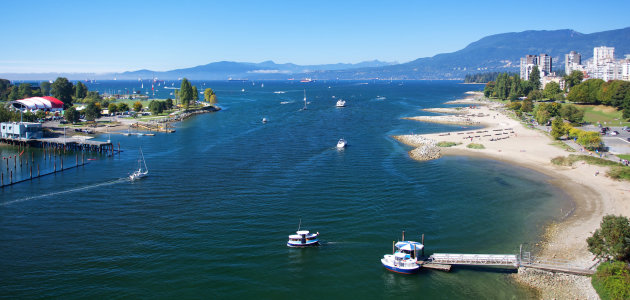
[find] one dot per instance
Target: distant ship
(307, 80)
(242, 80)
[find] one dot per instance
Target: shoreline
(592, 196)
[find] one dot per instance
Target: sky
(115, 36)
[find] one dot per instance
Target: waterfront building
(46, 103)
(21, 130)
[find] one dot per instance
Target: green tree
(62, 90)
(14, 94)
(195, 93)
(613, 92)
(25, 90)
(156, 107)
(534, 78)
(169, 103)
(514, 105)
(551, 90)
(185, 94)
(45, 88)
(209, 96)
(557, 128)
(572, 80)
(5, 89)
(80, 90)
(137, 106)
(572, 113)
(527, 105)
(535, 95)
(488, 90)
(122, 107)
(589, 139)
(92, 111)
(542, 116)
(71, 115)
(112, 108)
(612, 239)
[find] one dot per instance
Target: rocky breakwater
(426, 149)
(556, 285)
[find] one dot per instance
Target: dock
(445, 261)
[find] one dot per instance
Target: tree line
(615, 93)
(484, 77)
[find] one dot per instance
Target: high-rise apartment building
(572, 61)
(527, 64)
(603, 55)
(544, 64)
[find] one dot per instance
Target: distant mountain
(500, 52)
(243, 70)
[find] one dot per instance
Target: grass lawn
(624, 156)
(602, 113)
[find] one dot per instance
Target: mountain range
(499, 52)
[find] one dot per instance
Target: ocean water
(212, 218)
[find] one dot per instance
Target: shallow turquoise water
(225, 191)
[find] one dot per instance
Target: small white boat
(141, 172)
(342, 143)
(264, 120)
(404, 260)
(304, 108)
(303, 238)
(341, 103)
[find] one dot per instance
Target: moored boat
(341, 103)
(404, 260)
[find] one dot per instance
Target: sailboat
(304, 108)
(140, 172)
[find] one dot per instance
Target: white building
(603, 55)
(543, 62)
(22, 130)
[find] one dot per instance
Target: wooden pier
(70, 143)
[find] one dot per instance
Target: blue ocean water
(225, 191)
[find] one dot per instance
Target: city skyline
(123, 36)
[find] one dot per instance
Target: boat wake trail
(83, 188)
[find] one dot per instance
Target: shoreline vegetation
(505, 139)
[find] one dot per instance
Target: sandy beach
(594, 196)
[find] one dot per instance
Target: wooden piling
(2, 179)
(31, 172)
(61, 163)
(11, 178)
(37, 170)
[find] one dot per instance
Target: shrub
(475, 146)
(447, 144)
(612, 280)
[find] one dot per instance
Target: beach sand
(594, 196)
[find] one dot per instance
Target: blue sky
(112, 36)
